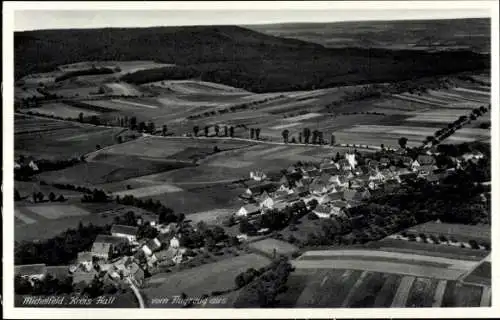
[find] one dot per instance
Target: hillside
(235, 56)
(471, 34)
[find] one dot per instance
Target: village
(324, 190)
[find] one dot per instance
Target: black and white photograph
(227, 158)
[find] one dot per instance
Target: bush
(312, 216)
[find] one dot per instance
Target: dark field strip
(387, 292)
(296, 284)
(421, 294)
(377, 259)
(335, 289)
(366, 294)
(457, 295)
(481, 275)
(394, 245)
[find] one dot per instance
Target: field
(61, 110)
(195, 282)
(380, 261)
(480, 275)
(460, 232)
(269, 246)
(47, 138)
(125, 66)
(122, 88)
(191, 87)
(428, 249)
(49, 211)
(30, 225)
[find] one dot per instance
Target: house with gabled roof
(85, 260)
(81, 276)
(31, 271)
(151, 246)
(258, 175)
(127, 232)
(344, 165)
(356, 195)
(257, 189)
(323, 211)
(318, 188)
(415, 165)
(390, 185)
(60, 273)
(247, 210)
(151, 219)
(385, 161)
(104, 246)
(301, 191)
(377, 177)
(426, 170)
(266, 202)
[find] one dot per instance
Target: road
(137, 293)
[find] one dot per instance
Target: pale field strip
(382, 267)
(211, 276)
(267, 150)
(269, 244)
(123, 88)
(210, 216)
(485, 297)
(459, 139)
(62, 110)
(110, 104)
(442, 95)
(149, 191)
(458, 264)
(451, 229)
(135, 104)
(231, 163)
(306, 116)
(24, 218)
(432, 119)
(439, 294)
(353, 290)
(479, 92)
(58, 211)
(418, 131)
(84, 136)
(198, 87)
(286, 125)
(294, 154)
(402, 97)
(426, 98)
(401, 295)
(288, 105)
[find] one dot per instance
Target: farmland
(217, 276)
(47, 138)
(61, 110)
(460, 232)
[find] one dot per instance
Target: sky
(54, 19)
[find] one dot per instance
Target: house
(373, 164)
(372, 185)
(426, 170)
(318, 188)
(329, 197)
(171, 227)
(376, 176)
(152, 220)
(344, 165)
(285, 188)
(127, 232)
(331, 170)
(258, 189)
(408, 176)
(266, 202)
(424, 159)
(291, 169)
(151, 246)
(104, 246)
(174, 242)
(323, 211)
(384, 161)
(247, 210)
(351, 159)
(356, 195)
(85, 260)
(301, 191)
(432, 178)
(31, 271)
(258, 175)
(290, 179)
(33, 166)
(414, 165)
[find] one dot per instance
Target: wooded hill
(235, 56)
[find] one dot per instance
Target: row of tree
(307, 136)
(227, 131)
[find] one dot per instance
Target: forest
(235, 56)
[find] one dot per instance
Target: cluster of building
(336, 185)
(106, 262)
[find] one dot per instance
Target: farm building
(150, 219)
(151, 246)
(426, 170)
(258, 175)
(104, 245)
(247, 210)
(31, 271)
(85, 260)
(266, 202)
(356, 195)
(255, 190)
(127, 232)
